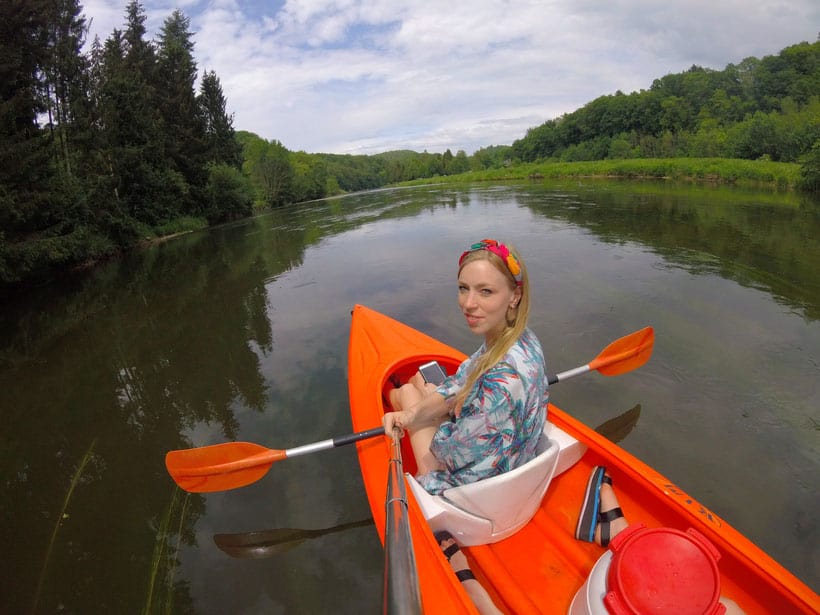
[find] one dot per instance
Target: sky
(368, 76)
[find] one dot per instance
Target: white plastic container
(589, 600)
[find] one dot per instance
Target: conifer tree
(222, 146)
(24, 167)
(182, 118)
(65, 82)
(149, 190)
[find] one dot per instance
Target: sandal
(463, 575)
(587, 520)
(606, 517)
(591, 516)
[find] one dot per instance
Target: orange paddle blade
(221, 466)
(626, 353)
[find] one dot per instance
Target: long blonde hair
(516, 322)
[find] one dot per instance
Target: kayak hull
(540, 567)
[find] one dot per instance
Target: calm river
(240, 333)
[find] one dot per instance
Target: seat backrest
(510, 499)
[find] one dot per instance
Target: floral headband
(500, 250)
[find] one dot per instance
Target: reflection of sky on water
(722, 351)
(252, 319)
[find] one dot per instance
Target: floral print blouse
(501, 419)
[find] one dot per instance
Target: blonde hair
(515, 326)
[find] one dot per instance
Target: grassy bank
(723, 170)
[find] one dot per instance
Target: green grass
(161, 558)
(720, 170)
(185, 224)
(61, 517)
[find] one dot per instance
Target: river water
(240, 333)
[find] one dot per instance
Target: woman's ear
(516, 297)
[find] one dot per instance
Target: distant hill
(760, 108)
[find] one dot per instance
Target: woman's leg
(458, 562)
(601, 518)
(610, 502)
(406, 396)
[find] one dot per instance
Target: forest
(759, 109)
(105, 145)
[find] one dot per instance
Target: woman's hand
(396, 420)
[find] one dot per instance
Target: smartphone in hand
(432, 372)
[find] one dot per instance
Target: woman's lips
(472, 320)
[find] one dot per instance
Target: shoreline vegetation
(126, 142)
(758, 173)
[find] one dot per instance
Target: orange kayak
(537, 565)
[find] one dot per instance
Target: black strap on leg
(610, 515)
(465, 575)
(604, 519)
(450, 551)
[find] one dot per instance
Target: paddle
(220, 467)
(623, 355)
(266, 543)
(618, 428)
(260, 544)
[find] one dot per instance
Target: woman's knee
(408, 395)
(417, 381)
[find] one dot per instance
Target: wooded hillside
(761, 108)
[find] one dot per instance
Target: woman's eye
(486, 292)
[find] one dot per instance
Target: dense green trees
(99, 150)
(40, 195)
(281, 176)
(221, 147)
(767, 108)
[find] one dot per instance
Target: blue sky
(367, 76)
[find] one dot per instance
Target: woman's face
(484, 296)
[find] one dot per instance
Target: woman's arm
(488, 425)
(431, 410)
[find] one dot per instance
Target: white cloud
(363, 76)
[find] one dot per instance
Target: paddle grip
(359, 435)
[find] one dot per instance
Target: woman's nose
(469, 300)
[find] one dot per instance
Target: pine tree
(24, 167)
(147, 187)
(222, 146)
(65, 80)
(182, 118)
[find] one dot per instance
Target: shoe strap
(610, 515)
(604, 534)
(465, 575)
(450, 551)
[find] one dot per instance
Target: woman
(487, 418)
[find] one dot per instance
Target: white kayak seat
(510, 499)
(570, 450)
(493, 508)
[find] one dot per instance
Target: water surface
(240, 332)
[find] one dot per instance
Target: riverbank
(782, 175)
(152, 236)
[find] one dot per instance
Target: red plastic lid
(663, 570)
